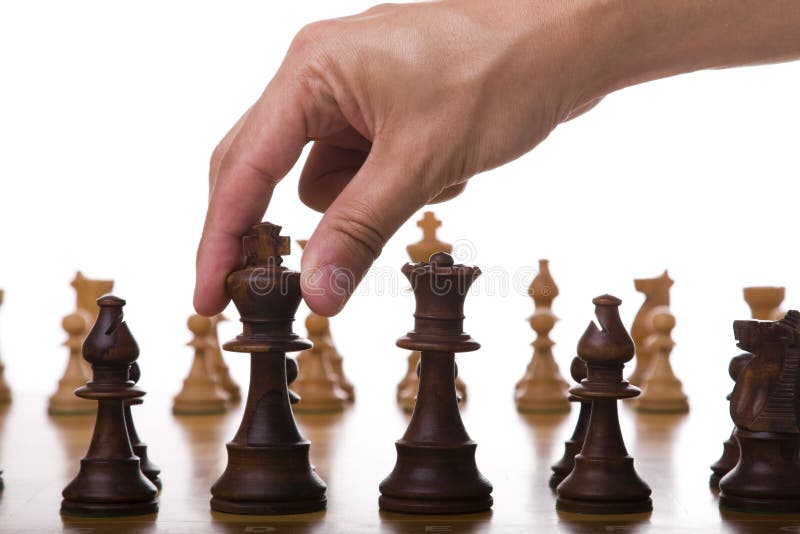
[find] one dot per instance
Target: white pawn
(64, 401)
(662, 392)
(317, 384)
(200, 394)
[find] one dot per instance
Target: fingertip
(327, 306)
(327, 288)
(216, 257)
(210, 296)
(207, 302)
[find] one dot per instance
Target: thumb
(352, 233)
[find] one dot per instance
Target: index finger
(266, 147)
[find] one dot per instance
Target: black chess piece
(292, 372)
(149, 469)
(573, 445)
(110, 481)
(603, 480)
(765, 405)
(268, 469)
(730, 449)
(436, 471)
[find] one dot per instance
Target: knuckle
(380, 8)
(310, 38)
(238, 167)
(359, 224)
(313, 57)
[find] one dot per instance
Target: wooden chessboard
(353, 451)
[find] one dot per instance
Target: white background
(108, 117)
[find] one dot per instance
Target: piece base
(543, 407)
(209, 409)
(268, 508)
(434, 506)
(322, 407)
(94, 509)
(676, 407)
(753, 505)
(604, 507)
(71, 411)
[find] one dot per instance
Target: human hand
(404, 103)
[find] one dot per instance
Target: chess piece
(408, 386)
(662, 392)
(603, 480)
(542, 389)
(200, 394)
(87, 291)
(436, 471)
(765, 302)
(573, 445)
(333, 356)
(764, 408)
(5, 391)
(268, 469)
(292, 371)
(730, 448)
(110, 481)
(64, 401)
(317, 385)
(217, 366)
(419, 252)
(656, 293)
(337, 362)
(149, 469)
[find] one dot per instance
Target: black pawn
(149, 469)
(110, 481)
(573, 445)
(730, 448)
(604, 480)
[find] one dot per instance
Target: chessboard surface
(353, 451)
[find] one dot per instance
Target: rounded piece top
(199, 325)
(577, 369)
(663, 320)
(442, 259)
(316, 324)
(606, 300)
(134, 373)
(109, 300)
(74, 324)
